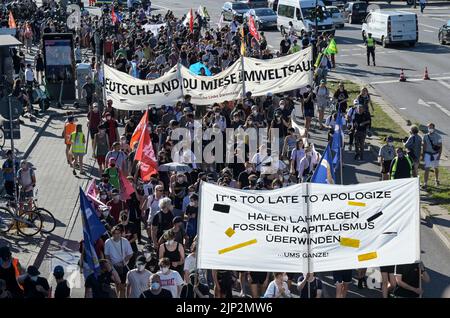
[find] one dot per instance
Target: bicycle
(48, 220)
(28, 223)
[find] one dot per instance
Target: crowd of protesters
(149, 250)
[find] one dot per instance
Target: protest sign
(309, 227)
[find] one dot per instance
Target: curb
(390, 110)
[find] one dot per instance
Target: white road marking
(408, 80)
(402, 108)
(421, 102)
(444, 84)
(444, 110)
(439, 19)
(428, 31)
(429, 26)
(347, 41)
(362, 45)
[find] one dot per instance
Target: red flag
(252, 28)
(113, 16)
(191, 21)
(126, 188)
(11, 21)
(138, 131)
(92, 189)
(146, 156)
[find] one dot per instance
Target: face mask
(103, 196)
(170, 242)
(281, 106)
(255, 112)
(390, 143)
(147, 256)
(34, 278)
(155, 286)
(250, 123)
(285, 278)
(431, 130)
(140, 267)
(164, 270)
(105, 213)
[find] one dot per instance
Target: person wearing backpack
(413, 146)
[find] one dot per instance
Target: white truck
(391, 27)
(300, 13)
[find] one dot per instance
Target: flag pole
(308, 245)
(341, 164)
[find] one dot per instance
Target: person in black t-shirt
(155, 290)
(162, 221)
(408, 277)
(100, 286)
(34, 286)
(309, 286)
(194, 289)
(361, 123)
(308, 99)
(62, 289)
(285, 45)
(243, 176)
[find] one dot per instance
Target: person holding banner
(409, 279)
(309, 286)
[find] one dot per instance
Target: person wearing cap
(138, 278)
(361, 124)
(8, 169)
(172, 250)
(94, 120)
(10, 271)
(69, 128)
(34, 286)
(119, 157)
(370, 46)
(341, 96)
(385, 157)
(62, 289)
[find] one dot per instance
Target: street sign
(16, 129)
(16, 107)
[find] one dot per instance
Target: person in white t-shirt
(190, 266)
(278, 288)
(152, 204)
(118, 251)
(138, 279)
(170, 280)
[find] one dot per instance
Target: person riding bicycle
(27, 181)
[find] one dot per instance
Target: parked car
(265, 18)
(355, 12)
(444, 33)
(234, 9)
(254, 3)
(337, 3)
(336, 15)
(392, 27)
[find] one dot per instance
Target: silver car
(265, 18)
(336, 16)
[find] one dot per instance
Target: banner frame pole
(308, 245)
(180, 77)
(199, 215)
(243, 78)
(341, 164)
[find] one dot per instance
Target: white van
(299, 12)
(391, 27)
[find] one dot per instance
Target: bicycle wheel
(6, 220)
(48, 220)
(2, 137)
(29, 223)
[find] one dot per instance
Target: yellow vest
(370, 42)
(77, 143)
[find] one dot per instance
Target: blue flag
(93, 229)
(338, 139)
(324, 172)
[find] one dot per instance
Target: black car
(234, 9)
(444, 33)
(355, 12)
(254, 3)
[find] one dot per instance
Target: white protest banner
(154, 28)
(278, 75)
(331, 227)
(130, 93)
(207, 90)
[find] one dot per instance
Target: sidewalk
(436, 215)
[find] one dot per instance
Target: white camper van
(391, 27)
(299, 12)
